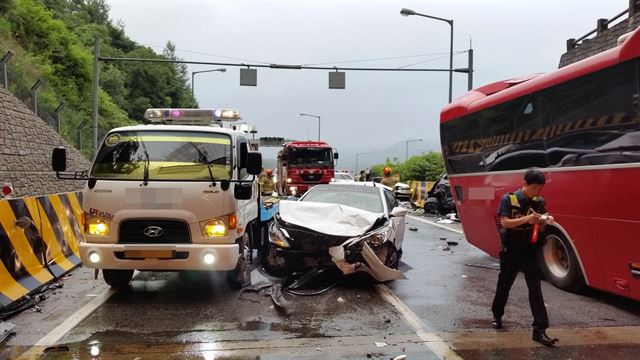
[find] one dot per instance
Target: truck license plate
(155, 254)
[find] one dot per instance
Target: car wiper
(204, 157)
(145, 176)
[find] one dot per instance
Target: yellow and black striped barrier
(39, 239)
(419, 190)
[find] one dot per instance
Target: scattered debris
(443, 239)
(464, 276)
(444, 221)
(453, 243)
(279, 300)
(387, 321)
(400, 357)
(493, 266)
(380, 343)
(316, 281)
(369, 355)
(318, 349)
(413, 228)
(36, 308)
(446, 248)
(341, 300)
(6, 331)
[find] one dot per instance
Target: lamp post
(193, 74)
(408, 12)
(357, 155)
(315, 116)
(406, 147)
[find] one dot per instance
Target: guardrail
(39, 238)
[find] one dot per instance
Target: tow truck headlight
(288, 180)
(208, 258)
(278, 236)
(94, 257)
(219, 227)
(293, 189)
(97, 226)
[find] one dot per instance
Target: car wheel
(269, 259)
(240, 276)
(392, 258)
(117, 278)
(559, 262)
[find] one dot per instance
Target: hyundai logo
(153, 231)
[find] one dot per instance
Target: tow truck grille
(154, 232)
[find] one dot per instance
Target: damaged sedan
(354, 227)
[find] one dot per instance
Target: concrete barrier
(39, 239)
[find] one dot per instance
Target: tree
(428, 166)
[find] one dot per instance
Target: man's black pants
(510, 264)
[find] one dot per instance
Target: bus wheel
(559, 263)
(117, 278)
(241, 275)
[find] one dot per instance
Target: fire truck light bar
(190, 116)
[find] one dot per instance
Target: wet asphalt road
(444, 304)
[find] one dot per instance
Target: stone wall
(605, 39)
(26, 143)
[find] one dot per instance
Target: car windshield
(312, 156)
(169, 155)
(361, 197)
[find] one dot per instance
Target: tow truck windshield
(309, 157)
(164, 155)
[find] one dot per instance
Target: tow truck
(179, 193)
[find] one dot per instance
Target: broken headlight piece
(278, 236)
(377, 237)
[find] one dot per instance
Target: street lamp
(193, 74)
(357, 155)
(315, 116)
(407, 12)
(406, 147)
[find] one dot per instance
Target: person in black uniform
(522, 219)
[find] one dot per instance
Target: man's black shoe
(543, 339)
(496, 324)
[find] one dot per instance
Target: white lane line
(56, 334)
(434, 342)
(435, 224)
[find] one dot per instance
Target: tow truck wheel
(559, 262)
(241, 275)
(117, 278)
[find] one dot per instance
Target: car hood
(330, 219)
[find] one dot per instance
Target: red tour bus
(580, 125)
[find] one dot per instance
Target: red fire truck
(303, 164)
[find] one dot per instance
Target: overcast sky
(377, 109)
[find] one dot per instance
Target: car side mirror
(399, 212)
(254, 162)
(242, 191)
(59, 159)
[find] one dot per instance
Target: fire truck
(303, 164)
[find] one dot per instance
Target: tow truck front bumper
(160, 257)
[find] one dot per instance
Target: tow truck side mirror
(243, 155)
(242, 191)
(59, 159)
(254, 162)
(336, 156)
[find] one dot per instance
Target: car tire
(393, 256)
(117, 278)
(267, 254)
(559, 263)
(240, 276)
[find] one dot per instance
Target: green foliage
(53, 40)
(425, 167)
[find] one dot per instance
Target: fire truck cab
(303, 164)
(177, 194)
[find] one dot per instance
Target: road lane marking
(435, 224)
(434, 342)
(73, 320)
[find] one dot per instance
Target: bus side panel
(618, 246)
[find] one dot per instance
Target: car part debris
(453, 243)
(400, 357)
(279, 299)
(380, 343)
(6, 331)
(413, 228)
(315, 281)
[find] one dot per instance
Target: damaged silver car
(354, 227)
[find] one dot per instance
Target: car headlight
(278, 236)
(96, 226)
(377, 237)
(220, 226)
